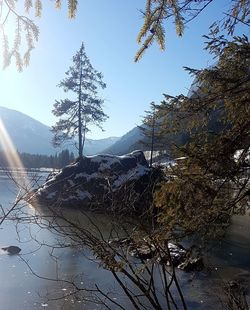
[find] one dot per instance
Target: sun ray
(13, 159)
(8, 147)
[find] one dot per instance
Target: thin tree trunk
(152, 140)
(80, 151)
(84, 135)
(80, 130)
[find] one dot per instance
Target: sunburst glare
(12, 158)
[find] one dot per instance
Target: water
(21, 289)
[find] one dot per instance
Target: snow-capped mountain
(31, 136)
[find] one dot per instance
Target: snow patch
(132, 174)
(51, 195)
(83, 194)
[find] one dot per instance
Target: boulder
(177, 253)
(193, 260)
(185, 259)
(96, 181)
(143, 251)
(11, 250)
(192, 264)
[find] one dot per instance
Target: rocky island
(116, 182)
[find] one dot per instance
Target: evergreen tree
(158, 135)
(76, 115)
(153, 140)
(71, 157)
(63, 158)
(212, 183)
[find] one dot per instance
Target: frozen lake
(20, 289)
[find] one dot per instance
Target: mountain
(135, 140)
(127, 143)
(27, 134)
(31, 136)
(92, 147)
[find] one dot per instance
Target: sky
(108, 29)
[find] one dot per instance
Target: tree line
(41, 161)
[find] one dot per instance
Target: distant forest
(40, 161)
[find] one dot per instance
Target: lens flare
(12, 158)
(10, 152)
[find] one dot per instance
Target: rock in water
(192, 264)
(12, 249)
(193, 260)
(97, 181)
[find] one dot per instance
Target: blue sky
(108, 29)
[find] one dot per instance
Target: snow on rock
(96, 180)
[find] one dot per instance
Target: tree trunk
(80, 150)
(84, 135)
(80, 130)
(152, 141)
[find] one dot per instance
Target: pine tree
(152, 139)
(158, 135)
(76, 115)
(64, 158)
(212, 183)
